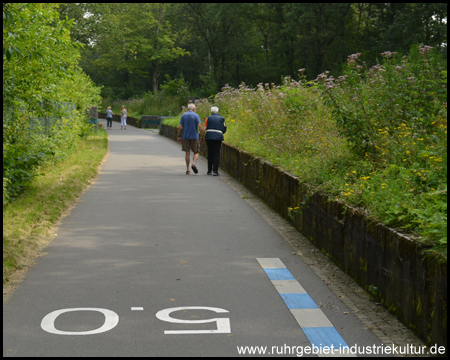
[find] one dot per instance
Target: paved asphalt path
(146, 238)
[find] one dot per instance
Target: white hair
(215, 110)
(191, 106)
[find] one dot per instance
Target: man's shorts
(190, 145)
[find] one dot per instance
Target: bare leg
(188, 159)
(194, 160)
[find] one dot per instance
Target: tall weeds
(374, 138)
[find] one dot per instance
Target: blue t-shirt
(189, 121)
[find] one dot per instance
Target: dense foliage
(375, 138)
(394, 117)
(168, 102)
(130, 48)
(45, 93)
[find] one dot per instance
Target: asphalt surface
(146, 238)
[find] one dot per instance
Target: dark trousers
(109, 122)
(214, 147)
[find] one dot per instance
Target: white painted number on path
(223, 324)
(112, 319)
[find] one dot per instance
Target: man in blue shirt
(191, 124)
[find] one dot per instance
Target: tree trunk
(155, 78)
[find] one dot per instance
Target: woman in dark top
(215, 128)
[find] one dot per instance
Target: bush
(39, 82)
(402, 97)
(394, 117)
(27, 146)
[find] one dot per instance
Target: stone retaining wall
(386, 263)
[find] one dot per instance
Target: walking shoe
(216, 174)
(194, 168)
(209, 173)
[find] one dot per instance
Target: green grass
(172, 121)
(28, 222)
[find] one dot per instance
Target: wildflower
(425, 49)
(352, 58)
(388, 54)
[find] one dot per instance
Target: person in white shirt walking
(123, 118)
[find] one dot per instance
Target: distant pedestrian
(123, 118)
(215, 128)
(109, 117)
(190, 123)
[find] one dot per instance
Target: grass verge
(29, 222)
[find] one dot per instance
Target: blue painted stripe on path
(299, 301)
(304, 309)
(279, 274)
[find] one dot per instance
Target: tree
(136, 40)
(38, 58)
(41, 78)
(89, 20)
(128, 46)
(398, 26)
(220, 33)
